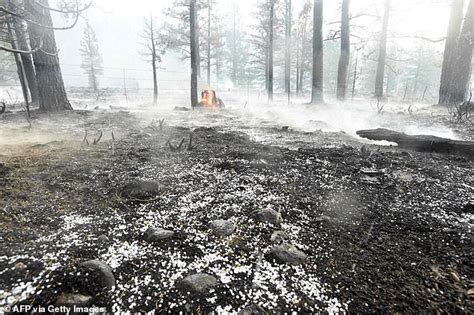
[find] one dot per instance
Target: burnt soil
(385, 230)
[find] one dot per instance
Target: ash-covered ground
(280, 213)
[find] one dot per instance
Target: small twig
(96, 141)
(85, 138)
(181, 144)
(172, 147)
(161, 122)
(190, 144)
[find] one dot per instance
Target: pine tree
(91, 57)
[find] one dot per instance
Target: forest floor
(383, 230)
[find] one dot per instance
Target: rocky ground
(234, 218)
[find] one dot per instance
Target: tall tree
(208, 66)
(462, 69)
(194, 56)
(379, 79)
(270, 49)
(342, 71)
(91, 57)
(454, 29)
(154, 48)
(304, 54)
(317, 88)
(177, 28)
(52, 93)
(288, 26)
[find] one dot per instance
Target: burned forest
(236, 157)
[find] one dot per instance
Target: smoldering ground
(376, 223)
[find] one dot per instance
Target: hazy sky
(118, 24)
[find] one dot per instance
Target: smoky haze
(118, 25)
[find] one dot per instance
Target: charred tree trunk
(317, 87)
(354, 79)
(19, 65)
(288, 47)
(208, 43)
(297, 67)
(463, 61)
(198, 48)
(52, 93)
(155, 79)
(270, 50)
(26, 60)
(194, 53)
(454, 28)
(153, 62)
(342, 71)
(379, 79)
(423, 143)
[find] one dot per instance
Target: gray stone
(105, 276)
(103, 239)
(73, 299)
(268, 215)
(288, 254)
(141, 189)
(20, 267)
(278, 237)
(158, 234)
(199, 283)
(222, 227)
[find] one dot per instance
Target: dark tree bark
(463, 61)
(317, 88)
(153, 62)
(270, 50)
(52, 93)
(288, 23)
(297, 88)
(198, 48)
(209, 43)
(194, 53)
(19, 64)
(26, 59)
(379, 79)
(342, 71)
(356, 70)
(454, 29)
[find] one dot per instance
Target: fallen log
(421, 143)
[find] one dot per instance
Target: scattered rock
(73, 299)
(287, 254)
(269, 215)
(20, 267)
(158, 234)
(278, 237)
(141, 189)
(222, 227)
(469, 207)
(105, 276)
(253, 310)
(103, 239)
(199, 283)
